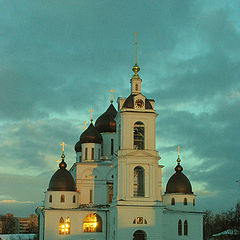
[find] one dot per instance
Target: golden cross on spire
(63, 144)
(112, 91)
(178, 149)
(85, 122)
(136, 48)
(92, 114)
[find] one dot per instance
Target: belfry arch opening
(138, 188)
(139, 235)
(138, 135)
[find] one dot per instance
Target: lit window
(185, 201)
(110, 192)
(92, 223)
(92, 153)
(173, 201)
(50, 198)
(138, 135)
(138, 182)
(64, 227)
(185, 227)
(62, 199)
(74, 199)
(180, 228)
(139, 220)
(86, 153)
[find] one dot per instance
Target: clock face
(139, 103)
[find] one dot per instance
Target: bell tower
(138, 171)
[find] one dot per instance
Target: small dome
(62, 180)
(129, 102)
(78, 146)
(106, 122)
(91, 135)
(178, 182)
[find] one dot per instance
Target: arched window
(119, 136)
(112, 146)
(67, 226)
(173, 201)
(180, 228)
(138, 135)
(185, 227)
(62, 199)
(136, 87)
(185, 201)
(194, 202)
(92, 153)
(99, 153)
(139, 235)
(92, 223)
(61, 226)
(50, 198)
(74, 199)
(86, 153)
(138, 190)
(91, 197)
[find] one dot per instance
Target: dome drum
(61, 199)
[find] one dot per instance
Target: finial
(112, 91)
(85, 122)
(178, 168)
(136, 68)
(92, 114)
(62, 164)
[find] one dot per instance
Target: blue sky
(59, 59)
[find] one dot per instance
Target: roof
(129, 102)
(178, 182)
(91, 135)
(106, 122)
(62, 180)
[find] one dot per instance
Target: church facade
(114, 189)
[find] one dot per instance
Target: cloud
(15, 201)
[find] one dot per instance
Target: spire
(91, 114)
(112, 91)
(62, 164)
(178, 168)
(136, 68)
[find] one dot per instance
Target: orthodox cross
(85, 122)
(58, 161)
(179, 149)
(92, 114)
(63, 144)
(112, 91)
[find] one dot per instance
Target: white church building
(114, 189)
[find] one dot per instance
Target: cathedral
(114, 189)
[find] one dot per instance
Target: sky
(59, 59)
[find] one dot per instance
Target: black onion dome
(91, 135)
(62, 180)
(106, 122)
(129, 102)
(78, 146)
(178, 182)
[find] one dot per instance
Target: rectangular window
(112, 146)
(91, 197)
(92, 153)
(86, 153)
